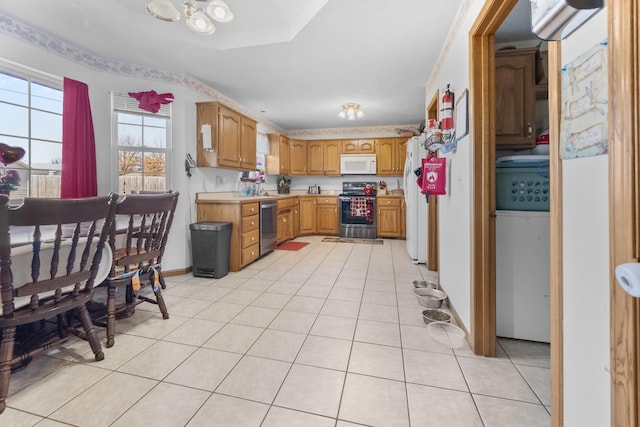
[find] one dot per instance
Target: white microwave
(358, 164)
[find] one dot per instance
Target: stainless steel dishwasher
(268, 226)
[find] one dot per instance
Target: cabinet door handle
(252, 223)
(529, 129)
(253, 238)
(335, 210)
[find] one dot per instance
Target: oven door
(357, 216)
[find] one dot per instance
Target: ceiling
(291, 62)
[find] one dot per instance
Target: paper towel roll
(628, 276)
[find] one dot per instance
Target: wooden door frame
(623, 32)
(483, 243)
(433, 244)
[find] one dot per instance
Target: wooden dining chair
(51, 252)
(137, 239)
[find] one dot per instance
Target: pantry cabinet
(278, 160)
(298, 157)
(225, 138)
(307, 220)
(358, 146)
(515, 96)
(323, 157)
(390, 156)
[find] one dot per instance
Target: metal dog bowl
(430, 298)
(425, 284)
(435, 315)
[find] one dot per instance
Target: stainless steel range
(358, 210)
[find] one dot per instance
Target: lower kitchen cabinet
(389, 217)
(286, 224)
(327, 215)
(244, 217)
(307, 219)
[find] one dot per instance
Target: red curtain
(79, 178)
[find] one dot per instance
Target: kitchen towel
(151, 100)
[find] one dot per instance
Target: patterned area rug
(350, 240)
(292, 246)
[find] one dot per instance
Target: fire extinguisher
(446, 111)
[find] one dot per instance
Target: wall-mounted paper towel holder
(628, 276)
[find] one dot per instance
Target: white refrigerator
(416, 204)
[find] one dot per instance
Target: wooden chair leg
(6, 356)
(161, 303)
(163, 285)
(92, 335)
(111, 315)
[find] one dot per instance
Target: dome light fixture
(351, 111)
(199, 14)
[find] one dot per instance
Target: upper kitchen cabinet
(358, 146)
(298, 156)
(226, 138)
(323, 157)
(390, 156)
(278, 160)
(515, 77)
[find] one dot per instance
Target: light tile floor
(330, 335)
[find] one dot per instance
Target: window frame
(123, 103)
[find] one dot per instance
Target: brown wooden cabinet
(245, 222)
(278, 160)
(323, 157)
(307, 220)
(286, 225)
(296, 218)
(515, 79)
(298, 157)
(327, 215)
(389, 219)
(233, 137)
(390, 156)
(358, 146)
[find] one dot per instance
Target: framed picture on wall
(462, 115)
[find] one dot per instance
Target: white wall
(585, 237)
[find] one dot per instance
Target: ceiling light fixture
(198, 13)
(351, 111)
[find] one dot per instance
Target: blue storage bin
(522, 186)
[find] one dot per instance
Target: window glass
(46, 125)
(15, 120)
(14, 90)
(46, 98)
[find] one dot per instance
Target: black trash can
(210, 247)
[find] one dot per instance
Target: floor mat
(292, 246)
(350, 240)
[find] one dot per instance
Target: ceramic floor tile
(15, 418)
(374, 401)
(494, 378)
(155, 326)
(311, 389)
(305, 304)
(204, 369)
(334, 307)
(407, 300)
(256, 284)
(255, 378)
(374, 284)
(334, 327)
(53, 391)
(411, 316)
(325, 352)
(281, 417)
(240, 296)
(540, 381)
(165, 405)
(433, 369)
(211, 293)
(279, 345)
(187, 307)
(437, 407)
(376, 360)
(229, 411)
(126, 347)
(497, 412)
(378, 332)
(527, 352)
(378, 312)
(157, 361)
(293, 321)
(275, 301)
(418, 338)
(234, 338)
(182, 290)
(347, 424)
(349, 282)
(194, 332)
(287, 288)
(379, 297)
(220, 312)
(255, 316)
(116, 394)
(346, 294)
(315, 291)
(39, 367)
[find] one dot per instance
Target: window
(142, 142)
(31, 111)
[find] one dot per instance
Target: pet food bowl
(435, 315)
(446, 334)
(425, 284)
(430, 298)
